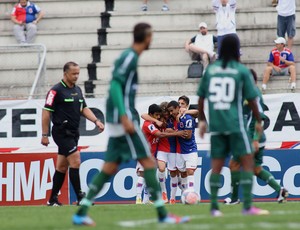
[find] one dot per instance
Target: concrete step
(181, 19)
(58, 39)
(22, 91)
(150, 88)
(26, 75)
(54, 57)
(150, 72)
(59, 6)
(155, 5)
(247, 34)
(58, 22)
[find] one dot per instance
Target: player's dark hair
(185, 98)
(229, 50)
(68, 65)
(140, 32)
(164, 106)
(173, 103)
(254, 74)
(154, 108)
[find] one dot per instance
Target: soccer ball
(190, 197)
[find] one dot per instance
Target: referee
(64, 106)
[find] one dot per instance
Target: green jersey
(225, 91)
(123, 86)
(251, 120)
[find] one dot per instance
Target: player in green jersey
(225, 85)
(259, 146)
(126, 140)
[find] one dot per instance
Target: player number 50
(221, 89)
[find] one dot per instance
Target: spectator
(26, 16)
(201, 46)
(281, 62)
(286, 20)
(165, 6)
(274, 3)
(225, 19)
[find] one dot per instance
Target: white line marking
(263, 225)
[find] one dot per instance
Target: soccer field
(283, 216)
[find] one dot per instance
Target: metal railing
(19, 63)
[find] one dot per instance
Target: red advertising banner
(26, 179)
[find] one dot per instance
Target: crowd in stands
(26, 15)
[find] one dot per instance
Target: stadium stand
(94, 32)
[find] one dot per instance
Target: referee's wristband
(44, 135)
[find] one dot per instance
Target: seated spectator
(286, 20)
(26, 15)
(165, 6)
(201, 46)
(281, 62)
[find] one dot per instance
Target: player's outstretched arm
(147, 117)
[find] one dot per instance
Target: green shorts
(127, 147)
(258, 157)
(237, 144)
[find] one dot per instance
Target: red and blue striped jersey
(25, 14)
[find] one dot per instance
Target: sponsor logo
(50, 97)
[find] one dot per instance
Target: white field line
(261, 225)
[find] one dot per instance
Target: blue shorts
(286, 25)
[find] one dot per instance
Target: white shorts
(186, 161)
(162, 156)
(139, 167)
(172, 161)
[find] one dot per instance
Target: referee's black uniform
(66, 105)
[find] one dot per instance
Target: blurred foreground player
(126, 139)
(225, 85)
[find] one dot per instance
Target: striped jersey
(25, 14)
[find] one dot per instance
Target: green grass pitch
(109, 217)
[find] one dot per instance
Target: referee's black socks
(75, 181)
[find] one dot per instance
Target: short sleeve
(50, 100)
(37, 8)
(290, 57)
(188, 123)
(193, 39)
(123, 67)
(13, 12)
(271, 58)
(249, 88)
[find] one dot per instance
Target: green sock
(246, 182)
(235, 182)
(214, 187)
(97, 184)
(269, 179)
(154, 189)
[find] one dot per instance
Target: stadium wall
(26, 167)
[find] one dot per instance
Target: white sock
(139, 187)
(180, 182)
(162, 181)
(173, 186)
(146, 195)
(293, 85)
(184, 183)
(190, 182)
(264, 86)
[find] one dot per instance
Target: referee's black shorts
(65, 139)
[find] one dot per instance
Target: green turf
(283, 216)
